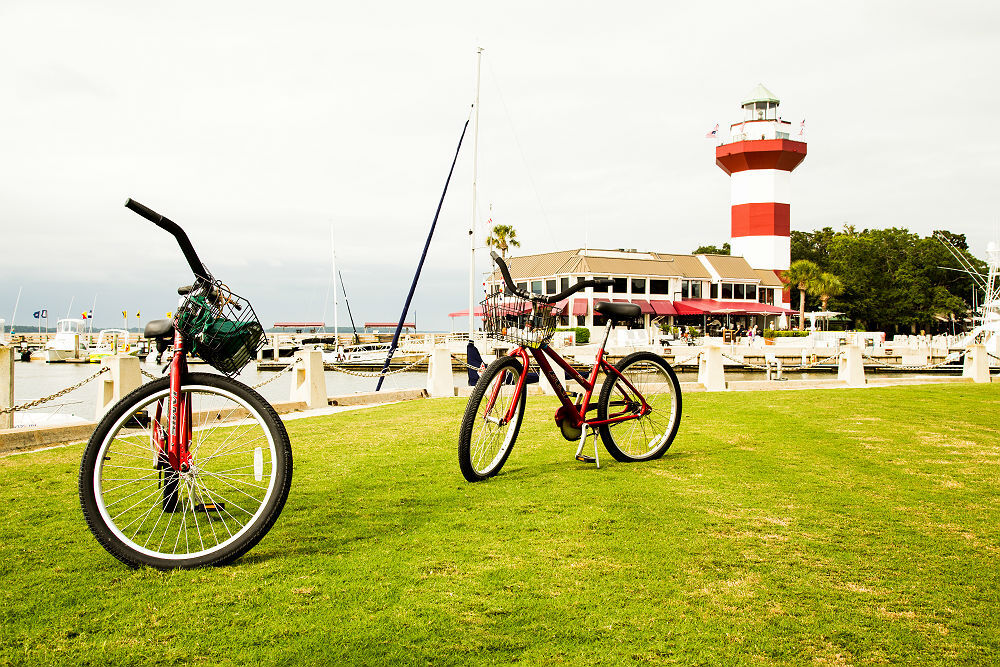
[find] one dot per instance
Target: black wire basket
(220, 327)
(518, 320)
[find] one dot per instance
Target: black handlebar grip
(505, 272)
(170, 226)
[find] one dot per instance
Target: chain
(467, 365)
(365, 374)
(58, 394)
(918, 367)
(818, 362)
(148, 374)
(681, 363)
(277, 375)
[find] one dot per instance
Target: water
(37, 379)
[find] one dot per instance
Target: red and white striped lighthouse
(759, 159)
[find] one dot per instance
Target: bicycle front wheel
(491, 421)
(146, 513)
(651, 430)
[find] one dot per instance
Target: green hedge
(771, 333)
(582, 334)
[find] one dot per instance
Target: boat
(111, 342)
(69, 343)
(365, 353)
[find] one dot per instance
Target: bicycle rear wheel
(487, 435)
(146, 513)
(649, 436)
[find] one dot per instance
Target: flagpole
(16, 302)
(472, 225)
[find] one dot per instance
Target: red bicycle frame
(174, 446)
(576, 414)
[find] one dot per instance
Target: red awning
(644, 306)
(476, 312)
(579, 307)
(661, 307)
(693, 307)
(559, 308)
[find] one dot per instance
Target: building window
(685, 289)
(713, 291)
(581, 320)
(739, 291)
(638, 286)
(695, 289)
(659, 287)
(563, 284)
(727, 290)
(536, 286)
(752, 292)
(564, 320)
(621, 286)
(603, 288)
(550, 286)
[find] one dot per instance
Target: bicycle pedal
(213, 510)
(583, 458)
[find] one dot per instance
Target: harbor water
(36, 380)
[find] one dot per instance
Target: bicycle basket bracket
(221, 327)
(518, 320)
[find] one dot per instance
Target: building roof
(732, 267)
(768, 278)
(593, 262)
(760, 94)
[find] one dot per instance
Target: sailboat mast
(336, 321)
(472, 223)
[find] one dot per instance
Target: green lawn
(810, 527)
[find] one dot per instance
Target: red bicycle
(638, 411)
(191, 469)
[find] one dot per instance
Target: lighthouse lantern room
(759, 158)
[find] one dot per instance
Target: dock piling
(309, 382)
(710, 369)
(124, 376)
(850, 367)
(976, 364)
(7, 386)
(440, 379)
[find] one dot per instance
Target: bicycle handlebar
(182, 238)
(525, 294)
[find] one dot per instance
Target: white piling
(123, 377)
(850, 366)
(308, 380)
(976, 364)
(7, 386)
(440, 380)
(710, 369)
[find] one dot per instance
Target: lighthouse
(759, 157)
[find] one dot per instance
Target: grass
(811, 527)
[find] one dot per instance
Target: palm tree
(801, 274)
(503, 237)
(826, 285)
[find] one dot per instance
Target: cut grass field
(808, 527)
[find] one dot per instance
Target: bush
(772, 333)
(582, 334)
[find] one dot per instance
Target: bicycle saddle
(159, 329)
(617, 311)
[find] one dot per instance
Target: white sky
(258, 126)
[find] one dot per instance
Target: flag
(170, 314)
(137, 313)
(45, 314)
(84, 315)
(90, 314)
(802, 127)
(125, 314)
(714, 133)
(37, 313)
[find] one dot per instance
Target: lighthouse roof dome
(760, 94)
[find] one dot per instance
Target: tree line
(881, 279)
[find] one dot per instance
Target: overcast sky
(260, 126)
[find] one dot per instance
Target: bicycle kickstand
(580, 456)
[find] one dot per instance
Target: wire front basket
(518, 320)
(220, 327)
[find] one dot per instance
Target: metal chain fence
(58, 394)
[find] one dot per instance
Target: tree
(801, 275)
(826, 285)
(503, 237)
(713, 250)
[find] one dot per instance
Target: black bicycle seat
(617, 311)
(159, 329)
